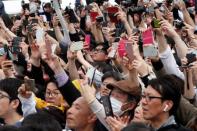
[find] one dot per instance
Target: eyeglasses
(53, 94)
(149, 98)
(4, 96)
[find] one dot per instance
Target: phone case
(121, 48)
(105, 100)
(150, 51)
(129, 51)
(75, 46)
(111, 13)
(87, 39)
(112, 53)
(147, 37)
(93, 16)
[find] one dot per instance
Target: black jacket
(173, 127)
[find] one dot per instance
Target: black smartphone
(191, 57)
(196, 6)
(99, 19)
(105, 100)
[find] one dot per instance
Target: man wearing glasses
(10, 106)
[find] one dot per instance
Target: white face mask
(116, 106)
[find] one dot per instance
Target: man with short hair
(10, 110)
(80, 117)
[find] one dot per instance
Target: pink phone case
(87, 39)
(147, 37)
(121, 48)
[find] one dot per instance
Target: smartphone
(113, 51)
(29, 28)
(15, 49)
(129, 51)
(105, 100)
(150, 51)
(30, 84)
(34, 21)
(195, 6)
(94, 76)
(147, 37)
(93, 16)
(87, 39)
(191, 57)
(76, 46)
(49, 50)
(155, 23)
(99, 19)
(121, 48)
(111, 13)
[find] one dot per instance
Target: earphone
(165, 108)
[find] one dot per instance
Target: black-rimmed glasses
(149, 98)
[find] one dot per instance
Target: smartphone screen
(147, 37)
(30, 84)
(111, 13)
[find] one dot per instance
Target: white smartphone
(150, 51)
(76, 46)
(113, 51)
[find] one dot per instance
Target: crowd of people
(101, 66)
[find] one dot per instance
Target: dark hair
(42, 120)
(170, 89)
(57, 114)
(8, 128)
(137, 126)
(31, 128)
(47, 5)
(112, 74)
(10, 86)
